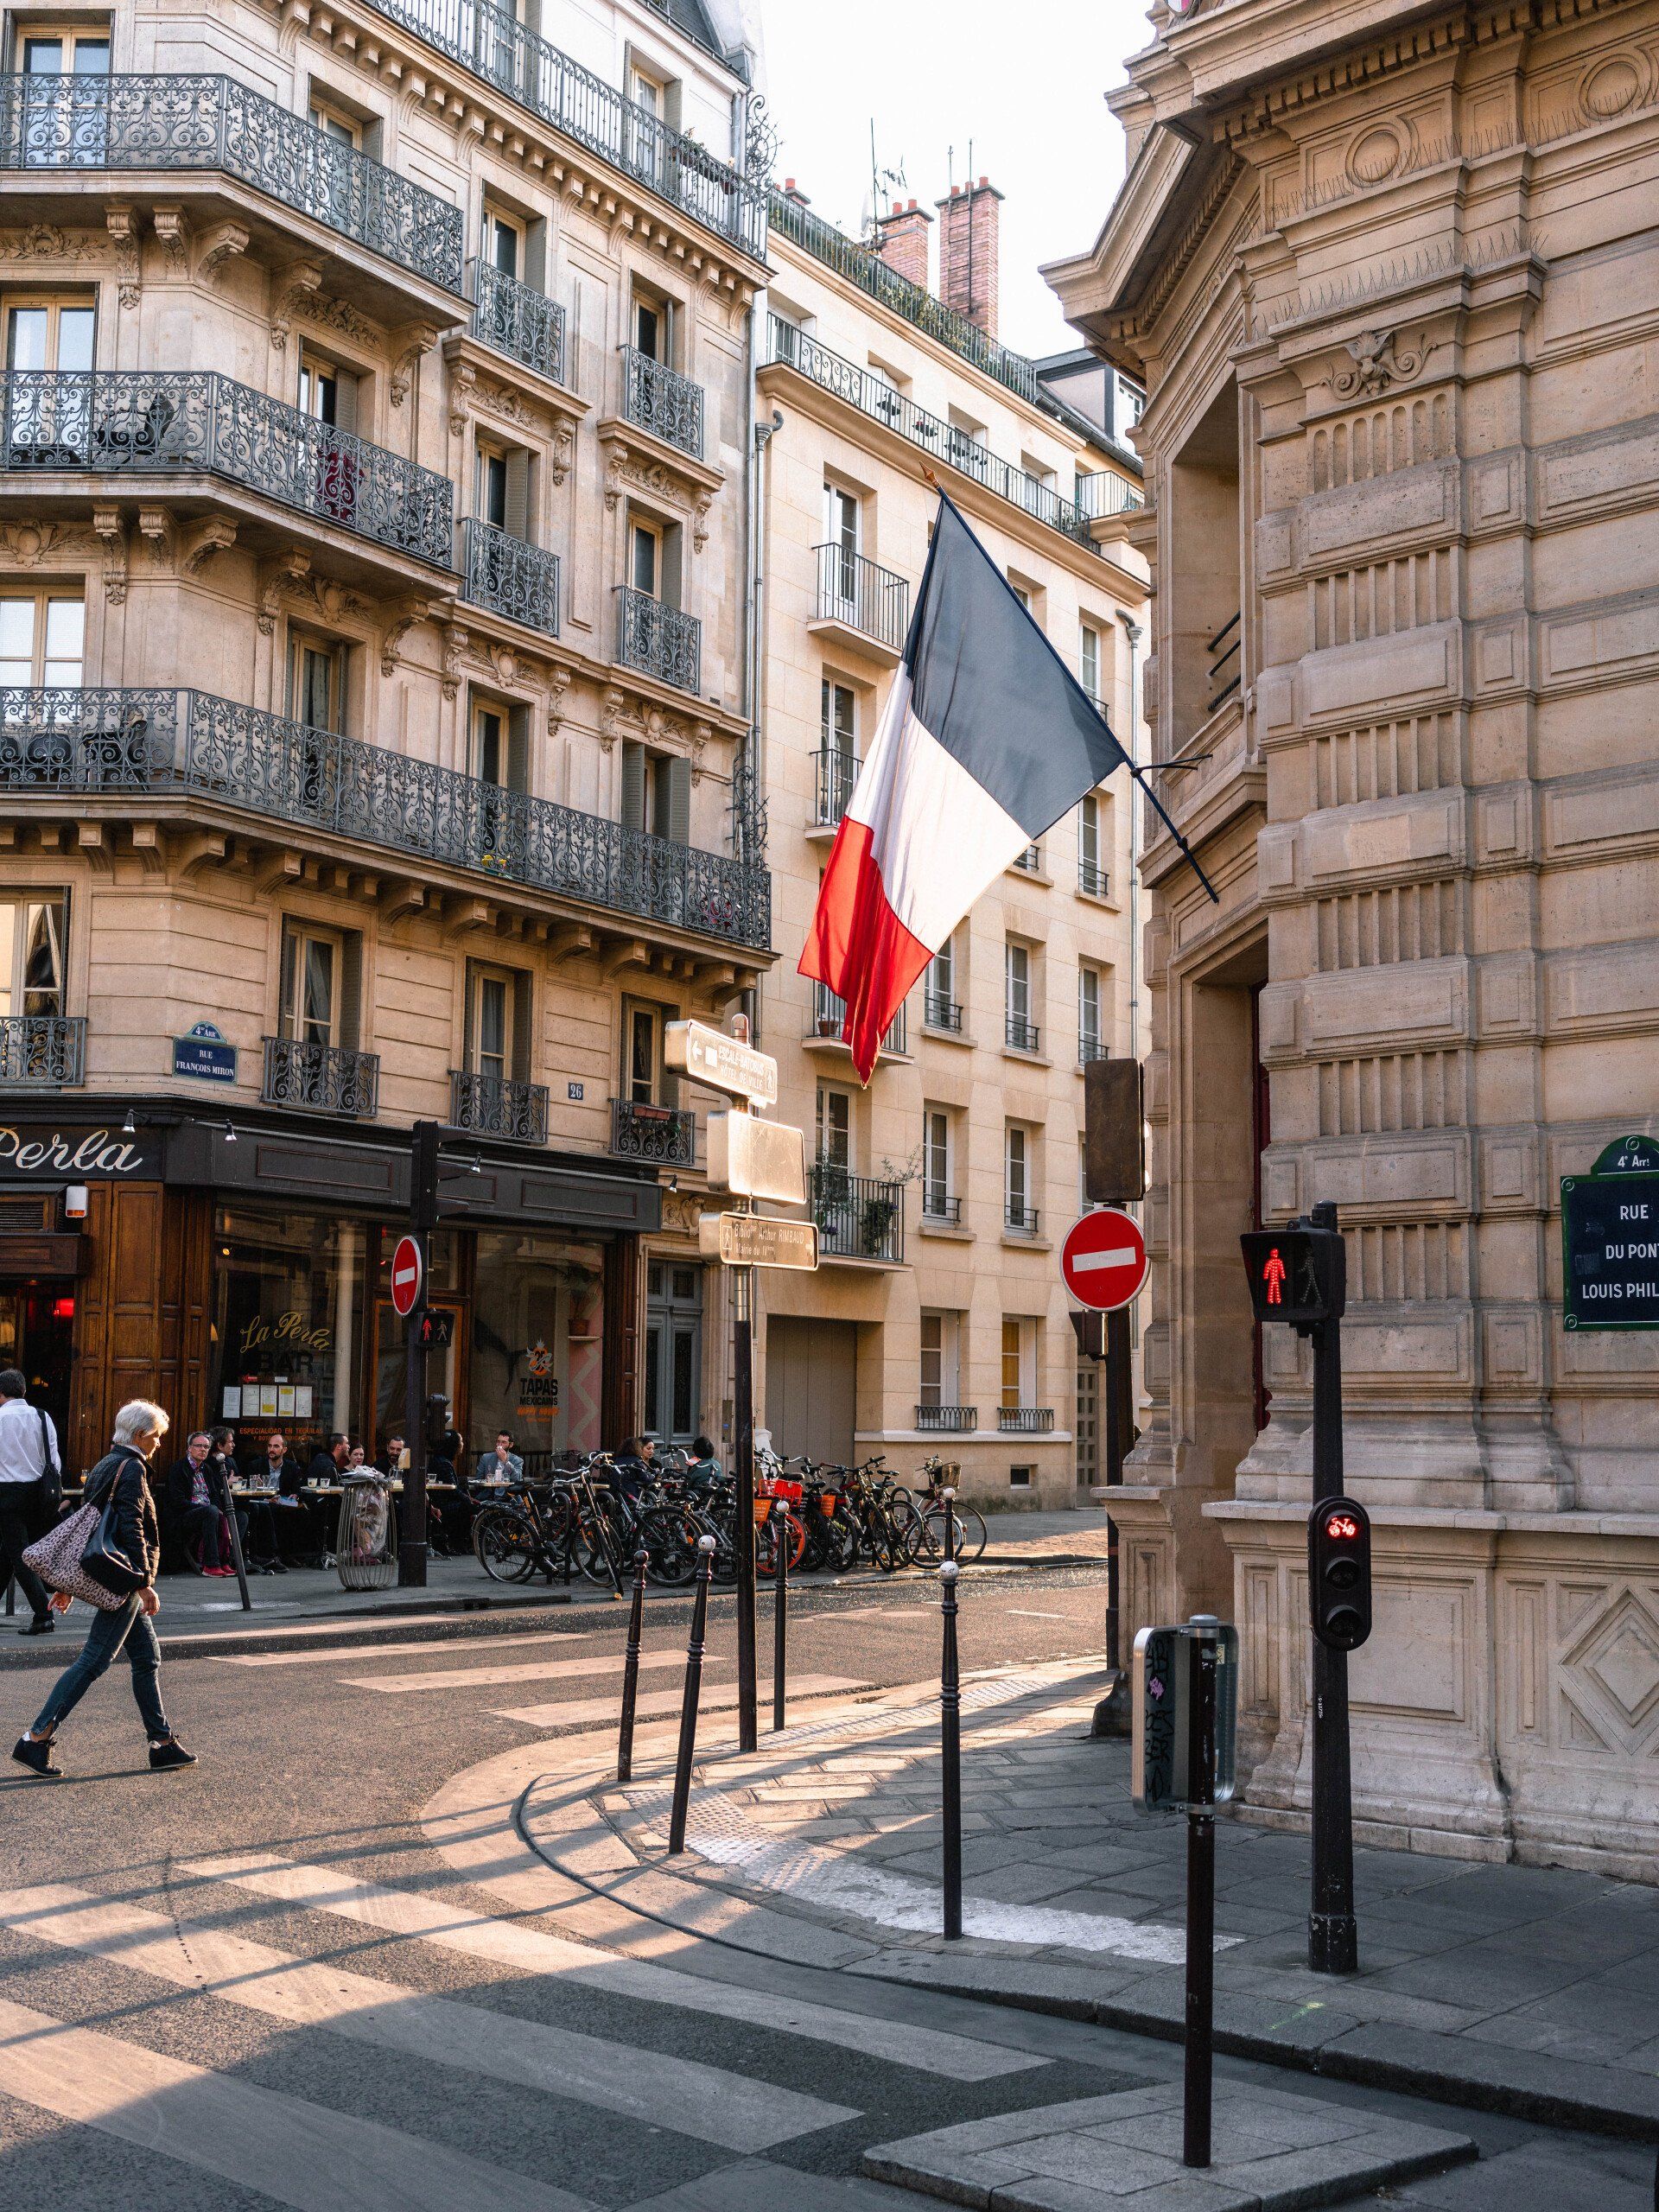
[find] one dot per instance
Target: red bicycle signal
(1342, 1528)
(407, 1275)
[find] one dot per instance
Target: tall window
(1018, 1361)
(1088, 1005)
(49, 333)
(1089, 660)
(644, 1036)
(938, 1383)
(645, 558)
(503, 242)
(1091, 871)
(840, 533)
(1021, 1031)
(1017, 1178)
(940, 1006)
(323, 390)
(936, 1164)
(32, 933)
(312, 965)
(653, 326)
(316, 683)
(41, 637)
(835, 1128)
(493, 1020)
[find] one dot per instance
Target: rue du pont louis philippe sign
(1609, 1240)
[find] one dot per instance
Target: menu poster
(232, 1410)
(268, 1402)
(285, 1401)
(301, 1401)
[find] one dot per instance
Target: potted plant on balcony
(875, 1225)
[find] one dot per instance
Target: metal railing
(151, 421)
(493, 45)
(854, 592)
(952, 1419)
(160, 742)
(509, 577)
(829, 1013)
(937, 1205)
(1025, 1421)
(873, 396)
(498, 1106)
(1093, 879)
(1029, 863)
(1020, 1035)
(837, 772)
(1223, 649)
(321, 1078)
(517, 319)
(658, 639)
(1100, 492)
(1019, 1217)
(659, 400)
(47, 1050)
(665, 1136)
(1091, 1047)
(189, 122)
(940, 1012)
(858, 1219)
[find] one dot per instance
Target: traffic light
(1339, 1573)
(1296, 1274)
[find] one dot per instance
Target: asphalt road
(170, 2037)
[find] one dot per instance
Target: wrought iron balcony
(162, 742)
(665, 1136)
(1018, 1218)
(872, 395)
(858, 1219)
(659, 400)
(213, 122)
(321, 1078)
(491, 43)
(937, 1206)
(1094, 879)
(941, 1013)
(43, 1051)
(498, 1106)
(150, 422)
(504, 574)
(517, 319)
(1020, 1035)
(1091, 1047)
(837, 774)
(854, 592)
(829, 1013)
(658, 639)
(956, 1420)
(1025, 1421)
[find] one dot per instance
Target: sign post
(409, 1268)
(1104, 1264)
(1113, 1174)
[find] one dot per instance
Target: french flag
(987, 739)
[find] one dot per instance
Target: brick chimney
(792, 191)
(969, 252)
(904, 244)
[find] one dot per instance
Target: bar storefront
(240, 1272)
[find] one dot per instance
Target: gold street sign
(757, 1160)
(746, 1240)
(711, 1057)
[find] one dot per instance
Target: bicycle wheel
(970, 1543)
(504, 1545)
(766, 1544)
(670, 1541)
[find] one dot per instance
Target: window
(312, 999)
(1029, 863)
(938, 1202)
(41, 637)
(938, 1383)
(1022, 593)
(652, 322)
(645, 558)
(32, 933)
(1021, 1478)
(334, 123)
(649, 91)
(1089, 660)
(838, 721)
(1090, 995)
(501, 493)
(497, 1022)
(835, 1129)
(49, 51)
(642, 1077)
(1021, 1032)
(1092, 876)
(656, 792)
(327, 392)
(503, 242)
(50, 332)
(499, 744)
(316, 683)
(940, 1006)
(1017, 1178)
(841, 519)
(1019, 1380)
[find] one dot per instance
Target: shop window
(50, 331)
(33, 935)
(537, 1354)
(43, 635)
(320, 985)
(673, 1361)
(287, 1335)
(498, 1022)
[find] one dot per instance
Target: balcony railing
(212, 122)
(163, 741)
(658, 639)
(504, 574)
(853, 591)
(150, 422)
(937, 1206)
(498, 1106)
(665, 1136)
(659, 400)
(321, 1078)
(1018, 1218)
(492, 45)
(1025, 1421)
(517, 319)
(1224, 664)
(956, 1420)
(1091, 1047)
(43, 1050)
(1100, 492)
(1094, 879)
(837, 772)
(870, 396)
(829, 1013)
(1020, 1035)
(941, 1013)
(858, 1219)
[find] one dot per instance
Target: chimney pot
(969, 252)
(904, 242)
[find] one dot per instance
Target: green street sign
(1609, 1240)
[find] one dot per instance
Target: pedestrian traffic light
(1339, 1573)
(1296, 1274)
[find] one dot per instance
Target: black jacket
(321, 1469)
(178, 1494)
(137, 1532)
(290, 1475)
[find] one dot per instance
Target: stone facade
(1389, 278)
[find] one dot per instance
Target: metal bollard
(949, 1524)
(1200, 1906)
(951, 1745)
(780, 1613)
(630, 1669)
(686, 1752)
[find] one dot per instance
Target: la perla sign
(77, 1153)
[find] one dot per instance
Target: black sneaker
(171, 1753)
(42, 1624)
(36, 1756)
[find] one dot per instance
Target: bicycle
(925, 1542)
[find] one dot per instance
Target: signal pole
(1332, 1931)
(422, 1220)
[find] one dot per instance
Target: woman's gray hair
(137, 1418)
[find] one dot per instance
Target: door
(812, 1387)
(37, 1335)
(840, 556)
(673, 1351)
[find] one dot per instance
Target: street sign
(711, 1057)
(1609, 1240)
(1161, 1708)
(203, 1054)
(746, 1240)
(1103, 1259)
(756, 1158)
(407, 1273)
(1114, 1133)
(1297, 1275)
(436, 1329)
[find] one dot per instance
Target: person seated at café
(328, 1462)
(636, 1465)
(191, 1506)
(704, 1470)
(254, 1519)
(392, 1457)
(356, 1461)
(279, 1478)
(503, 1465)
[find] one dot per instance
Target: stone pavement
(1526, 1989)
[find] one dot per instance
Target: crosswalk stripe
(454, 1644)
(704, 2102)
(284, 2147)
(544, 1670)
(526, 1949)
(657, 1703)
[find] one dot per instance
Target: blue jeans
(125, 1624)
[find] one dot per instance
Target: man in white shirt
(28, 1451)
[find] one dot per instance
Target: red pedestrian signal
(1296, 1274)
(1273, 1276)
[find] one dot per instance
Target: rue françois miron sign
(1609, 1240)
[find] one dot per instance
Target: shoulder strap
(48, 1456)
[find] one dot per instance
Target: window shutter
(345, 400)
(521, 1012)
(518, 510)
(679, 828)
(468, 1028)
(633, 785)
(285, 985)
(536, 256)
(350, 1024)
(518, 763)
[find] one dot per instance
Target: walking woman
(139, 1429)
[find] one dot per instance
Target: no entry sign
(1103, 1259)
(406, 1276)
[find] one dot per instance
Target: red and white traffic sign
(406, 1273)
(1103, 1259)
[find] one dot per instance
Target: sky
(1025, 84)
